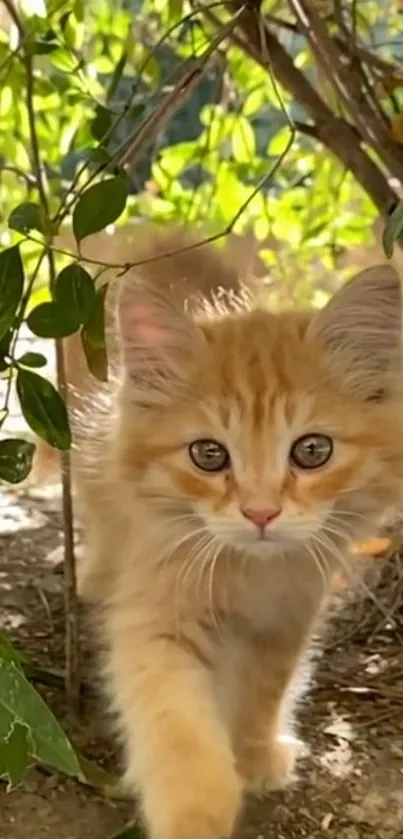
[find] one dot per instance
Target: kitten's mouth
(260, 539)
(263, 536)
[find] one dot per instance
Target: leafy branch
(340, 136)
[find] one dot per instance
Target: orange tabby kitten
(222, 480)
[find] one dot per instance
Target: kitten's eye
(311, 451)
(209, 455)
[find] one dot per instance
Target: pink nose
(260, 517)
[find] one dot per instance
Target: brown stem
(70, 590)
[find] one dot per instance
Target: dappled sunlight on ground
(350, 782)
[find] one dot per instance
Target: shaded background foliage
(278, 122)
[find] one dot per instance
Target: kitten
(222, 480)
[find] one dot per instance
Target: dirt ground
(351, 779)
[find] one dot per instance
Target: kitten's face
(259, 445)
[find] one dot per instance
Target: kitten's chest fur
(248, 596)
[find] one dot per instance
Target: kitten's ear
(158, 340)
(362, 328)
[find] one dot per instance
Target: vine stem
(72, 669)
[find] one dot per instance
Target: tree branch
(333, 131)
(350, 84)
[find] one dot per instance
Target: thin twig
(29, 179)
(70, 591)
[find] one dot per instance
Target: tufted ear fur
(158, 340)
(362, 328)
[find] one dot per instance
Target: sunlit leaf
(100, 205)
(279, 143)
(175, 10)
(254, 101)
(243, 140)
(64, 60)
(43, 409)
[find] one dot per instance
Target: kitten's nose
(262, 516)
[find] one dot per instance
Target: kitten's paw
(269, 767)
(194, 805)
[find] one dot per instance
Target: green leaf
(75, 293)
(73, 302)
(175, 10)
(15, 460)
(100, 156)
(48, 320)
(116, 76)
(32, 359)
(243, 140)
(97, 777)
(79, 10)
(137, 111)
(93, 338)
(100, 205)
(14, 755)
(11, 286)
(64, 60)
(152, 69)
(26, 217)
(20, 703)
(42, 47)
(5, 343)
(102, 122)
(393, 229)
(8, 652)
(43, 409)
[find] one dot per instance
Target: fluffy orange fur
(206, 618)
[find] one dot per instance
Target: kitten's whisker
(194, 557)
(185, 570)
(213, 566)
(320, 562)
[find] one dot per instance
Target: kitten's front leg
(266, 750)
(179, 756)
